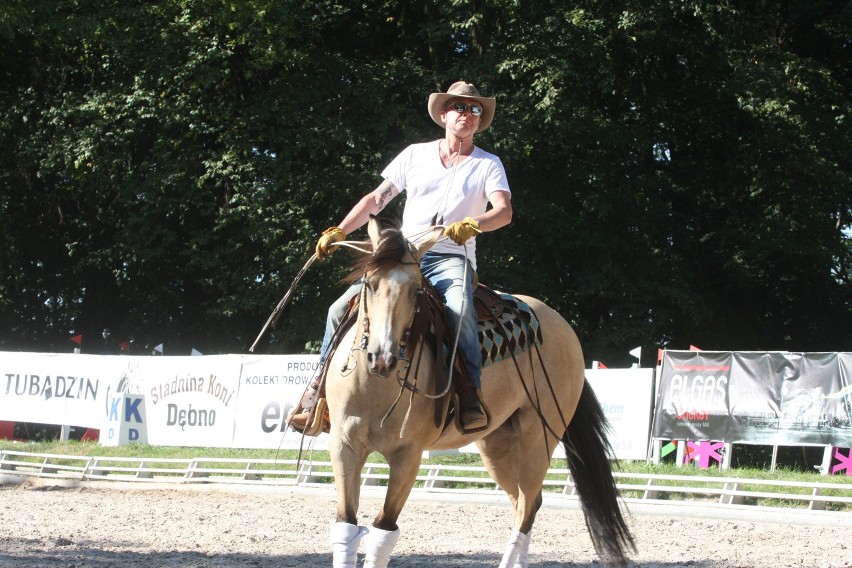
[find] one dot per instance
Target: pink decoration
(703, 452)
(845, 462)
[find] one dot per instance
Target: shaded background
(680, 169)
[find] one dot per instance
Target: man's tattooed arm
(384, 193)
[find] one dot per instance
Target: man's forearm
(498, 216)
(370, 204)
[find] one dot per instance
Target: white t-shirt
(439, 195)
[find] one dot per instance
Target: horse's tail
(589, 454)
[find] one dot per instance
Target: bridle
(402, 355)
(408, 355)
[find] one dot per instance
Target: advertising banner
(773, 398)
(210, 401)
(625, 396)
(270, 385)
(239, 401)
(53, 388)
(185, 401)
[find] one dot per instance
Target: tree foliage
(680, 169)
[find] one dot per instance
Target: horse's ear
(429, 241)
(373, 229)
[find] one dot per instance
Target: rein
(272, 320)
(410, 341)
(406, 335)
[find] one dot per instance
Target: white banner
(52, 388)
(229, 400)
(186, 401)
(625, 396)
(270, 385)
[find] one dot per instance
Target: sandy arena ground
(70, 525)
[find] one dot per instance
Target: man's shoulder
(486, 155)
(420, 146)
(417, 148)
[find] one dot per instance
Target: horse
(532, 404)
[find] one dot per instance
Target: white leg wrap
(523, 551)
(516, 551)
(344, 544)
(379, 547)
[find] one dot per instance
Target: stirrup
(316, 420)
(473, 420)
(477, 425)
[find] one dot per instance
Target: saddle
(489, 304)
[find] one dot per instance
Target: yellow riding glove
(329, 236)
(461, 231)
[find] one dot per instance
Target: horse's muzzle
(380, 363)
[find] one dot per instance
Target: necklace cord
(436, 220)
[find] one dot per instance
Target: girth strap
(534, 400)
(431, 327)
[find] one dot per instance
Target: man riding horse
(449, 182)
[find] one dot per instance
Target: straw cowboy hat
(462, 90)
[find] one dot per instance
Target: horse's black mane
(392, 247)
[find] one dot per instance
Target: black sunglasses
(461, 108)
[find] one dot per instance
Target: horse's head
(392, 284)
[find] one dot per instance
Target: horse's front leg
(347, 463)
(384, 533)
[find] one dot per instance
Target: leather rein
(407, 344)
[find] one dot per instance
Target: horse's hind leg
(519, 469)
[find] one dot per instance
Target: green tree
(680, 170)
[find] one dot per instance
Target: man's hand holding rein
(329, 236)
(461, 231)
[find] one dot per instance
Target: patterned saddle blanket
(507, 326)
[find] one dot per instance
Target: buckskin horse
(534, 401)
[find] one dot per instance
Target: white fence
(430, 478)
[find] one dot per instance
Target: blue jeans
(446, 273)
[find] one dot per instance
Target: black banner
(755, 398)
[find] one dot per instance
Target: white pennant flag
(637, 353)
